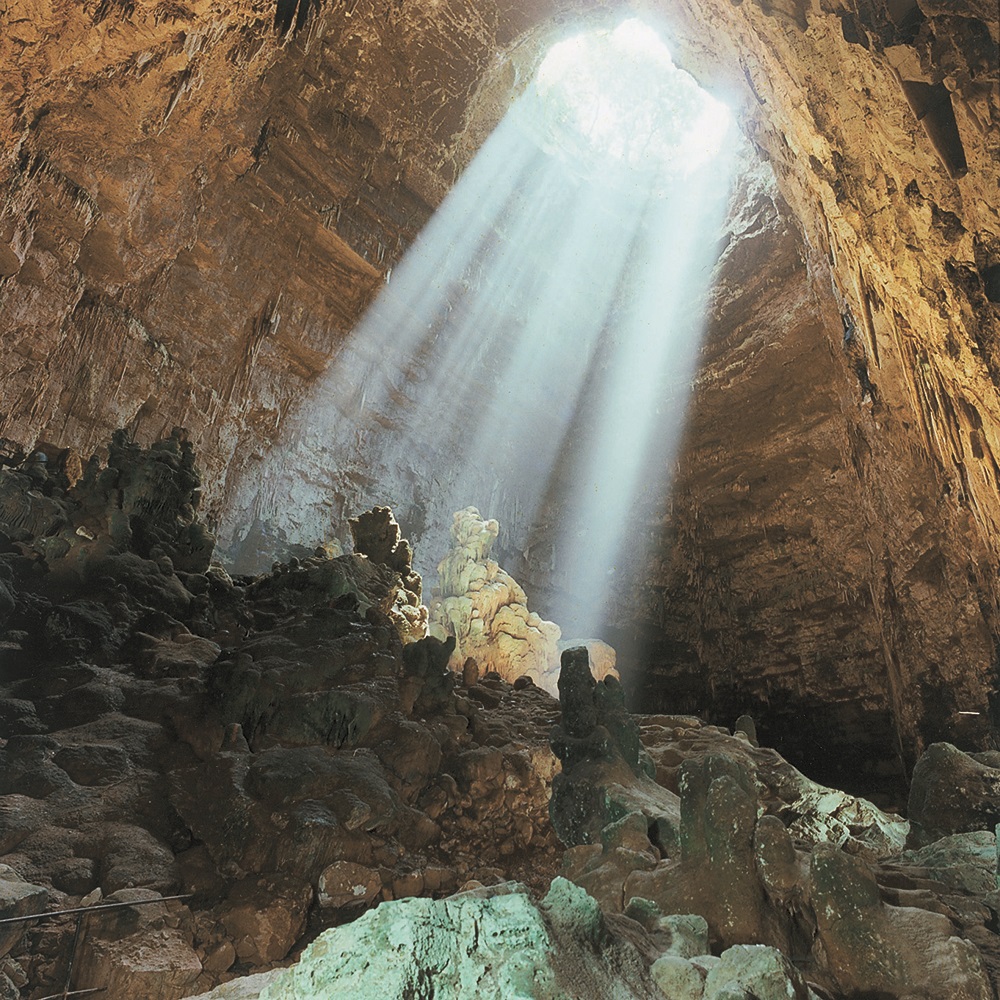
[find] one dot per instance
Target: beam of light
(533, 350)
(638, 398)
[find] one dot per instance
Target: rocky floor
(221, 771)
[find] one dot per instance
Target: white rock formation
(487, 611)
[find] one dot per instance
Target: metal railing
(81, 912)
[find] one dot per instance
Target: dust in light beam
(534, 348)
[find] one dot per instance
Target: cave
(439, 485)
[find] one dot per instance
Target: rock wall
(834, 523)
(881, 123)
(812, 562)
(193, 215)
(195, 207)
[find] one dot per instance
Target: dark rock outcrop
(606, 773)
(167, 731)
(18, 898)
(735, 864)
(953, 792)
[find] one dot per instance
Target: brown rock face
(803, 571)
(196, 207)
(170, 225)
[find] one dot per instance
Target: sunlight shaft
(535, 346)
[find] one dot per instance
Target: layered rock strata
(196, 206)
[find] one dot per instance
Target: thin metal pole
(75, 993)
(90, 909)
(72, 956)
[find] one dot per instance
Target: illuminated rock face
(480, 944)
(193, 214)
(487, 611)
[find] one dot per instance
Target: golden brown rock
(194, 210)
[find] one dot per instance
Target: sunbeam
(535, 346)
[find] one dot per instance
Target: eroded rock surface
(169, 730)
(272, 749)
(731, 860)
(377, 536)
(953, 792)
(493, 944)
(606, 772)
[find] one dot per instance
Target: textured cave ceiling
(198, 200)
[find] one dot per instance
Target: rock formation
(196, 207)
(499, 944)
(270, 750)
(254, 742)
(197, 203)
(493, 944)
(376, 535)
(953, 792)
(732, 861)
(486, 611)
(606, 772)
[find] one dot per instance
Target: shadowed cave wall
(196, 209)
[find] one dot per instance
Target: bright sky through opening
(618, 93)
(533, 350)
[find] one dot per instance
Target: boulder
(966, 862)
(18, 898)
(716, 873)
(868, 946)
(678, 978)
(243, 988)
(265, 915)
(138, 951)
(951, 792)
(345, 885)
(754, 971)
(130, 968)
(479, 945)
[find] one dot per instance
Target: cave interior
(443, 494)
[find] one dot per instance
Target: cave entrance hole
(531, 354)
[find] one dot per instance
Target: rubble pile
(222, 777)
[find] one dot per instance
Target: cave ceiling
(198, 200)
